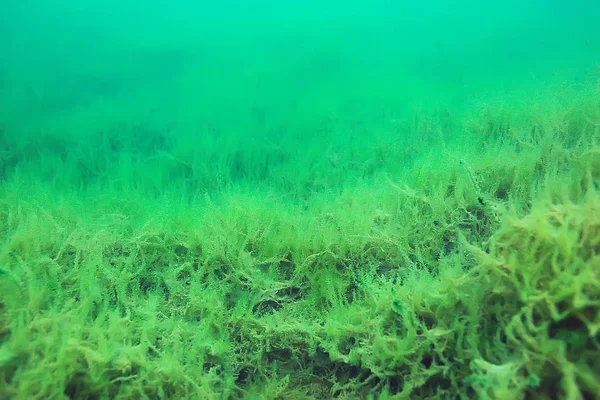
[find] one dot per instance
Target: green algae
(443, 279)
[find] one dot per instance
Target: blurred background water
(270, 55)
(280, 74)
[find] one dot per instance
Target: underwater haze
(299, 199)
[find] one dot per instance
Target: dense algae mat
(469, 272)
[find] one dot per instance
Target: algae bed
(219, 224)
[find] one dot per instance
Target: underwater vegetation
(456, 257)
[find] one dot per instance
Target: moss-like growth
(148, 269)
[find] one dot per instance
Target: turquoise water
(193, 60)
